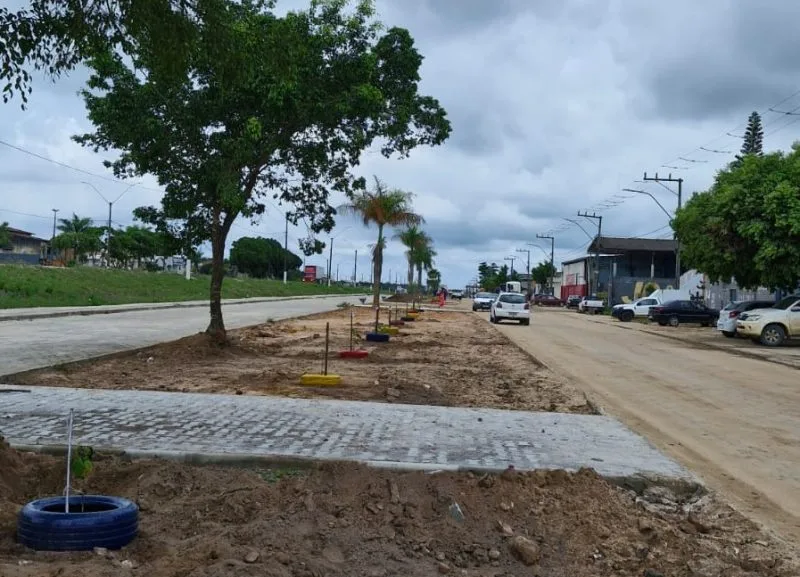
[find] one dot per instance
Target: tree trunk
(377, 269)
(219, 233)
(419, 282)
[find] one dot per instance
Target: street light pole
(552, 261)
(330, 262)
(679, 194)
(110, 205)
(355, 269)
(512, 259)
(528, 252)
(52, 238)
(286, 250)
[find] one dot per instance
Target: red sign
(310, 273)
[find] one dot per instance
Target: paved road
(377, 433)
(32, 344)
(734, 421)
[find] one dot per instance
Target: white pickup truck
(591, 305)
(639, 308)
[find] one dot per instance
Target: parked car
(591, 304)
(573, 301)
(638, 308)
(674, 313)
(483, 301)
(512, 307)
(772, 326)
(728, 316)
(457, 294)
(548, 301)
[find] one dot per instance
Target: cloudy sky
(556, 106)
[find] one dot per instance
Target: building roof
(16, 232)
(615, 245)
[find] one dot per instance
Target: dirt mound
(345, 520)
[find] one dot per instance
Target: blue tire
(92, 521)
(377, 337)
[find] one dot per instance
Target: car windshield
(730, 306)
(484, 296)
(786, 302)
(514, 299)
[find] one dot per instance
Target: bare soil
(731, 419)
(443, 358)
(346, 520)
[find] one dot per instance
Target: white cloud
(556, 105)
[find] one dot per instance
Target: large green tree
(381, 206)
(543, 273)
(747, 225)
(262, 257)
(265, 105)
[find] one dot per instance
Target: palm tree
(78, 234)
(413, 238)
(383, 207)
(424, 260)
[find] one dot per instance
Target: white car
(773, 326)
(510, 307)
(483, 301)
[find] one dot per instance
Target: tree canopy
(747, 225)
(78, 235)
(262, 257)
(5, 236)
(542, 274)
(265, 105)
(491, 276)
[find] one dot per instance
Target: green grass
(29, 286)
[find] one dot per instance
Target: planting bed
(442, 358)
(345, 520)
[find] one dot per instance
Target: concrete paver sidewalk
(401, 435)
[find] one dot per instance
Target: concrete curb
(707, 346)
(157, 306)
(636, 482)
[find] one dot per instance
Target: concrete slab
(27, 345)
(401, 435)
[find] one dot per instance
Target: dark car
(573, 301)
(674, 313)
(548, 301)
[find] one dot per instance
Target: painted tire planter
(319, 380)
(92, 521)
(397, 323)
(377, 337)
(408, 319)
(356, 354)
(389, 331)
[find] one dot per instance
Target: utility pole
(679, 194)
(512, 259)
(595, 278)
(552, 261)
(52, 238)
(330, 262)
(528, 252)
(355, 269)
(286, 250)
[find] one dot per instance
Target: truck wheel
(773, 335)
(525, 322)
(673, 321)
(626, 316)
(729, 334)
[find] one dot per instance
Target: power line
(70, 167)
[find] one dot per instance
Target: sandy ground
(345, 520)
(733, 420)
(443, 358)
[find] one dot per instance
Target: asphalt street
(37, 343)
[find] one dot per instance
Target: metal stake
(351, 330)
(69, 460)
(327, 339)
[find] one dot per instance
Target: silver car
(483, 301)
(726, 324)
